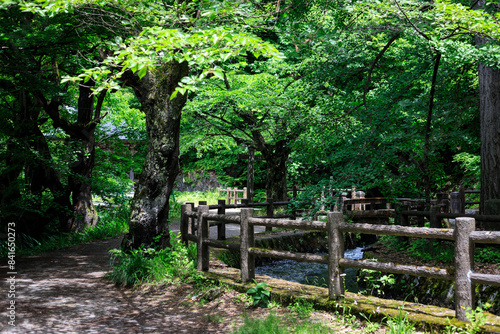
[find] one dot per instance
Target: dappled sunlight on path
(66, 292)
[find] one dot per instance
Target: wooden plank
(487, 279)
(303, 225)
(433, 272)
(300, 257)
(403, 231)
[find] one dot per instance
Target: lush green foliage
(302, 307)
(443, 251)
(375, 282)
(259, 294)
(113, 223)
(176, 263)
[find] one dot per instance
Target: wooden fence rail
(464, 236)
(233, 194)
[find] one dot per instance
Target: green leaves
(259, 294)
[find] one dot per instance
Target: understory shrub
(176, 263)
(113, 222)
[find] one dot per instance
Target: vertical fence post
(184, 224)
(246, 241)
(455, 202)
(435, 222)
(464, 257)
(335, 253)
(221, 228)
(270, 212)
(190, 220)
(245, 192)
(202, 251)
(461, 193)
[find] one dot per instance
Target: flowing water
(311, 273)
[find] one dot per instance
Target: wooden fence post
(245, 193)
(184, 224)
(221, 228)
(464, 257)
(455, 202)
(335, 253)
(270, 212)
(246, 241)
(202, 251)
(435, 222)
(190, 220)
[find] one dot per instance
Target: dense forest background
(390, 97)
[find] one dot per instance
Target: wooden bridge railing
(463, 234)
(233, 194)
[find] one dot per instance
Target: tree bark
(28, 152)
(80, 179)
(276, 157)
(489, 95)
(150, 207)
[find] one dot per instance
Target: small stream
(311, 273)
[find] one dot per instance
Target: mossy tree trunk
(276, 157)
(150, 207)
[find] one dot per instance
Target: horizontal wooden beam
(293, 224)
(487, 279)
(486, 237)
(221, 244)
(231, 219)
(300, 257)
(403, 231)
(433, 272)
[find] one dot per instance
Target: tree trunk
(276, 157)
(79, 181)
(150, 207)
(489, 94)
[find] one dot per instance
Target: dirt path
(65, 292)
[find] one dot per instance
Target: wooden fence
(233, 194)
(463, 234)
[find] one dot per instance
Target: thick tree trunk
(84, 212)
(150, 207)
(489, 93)
(276, 157)
(28, 152)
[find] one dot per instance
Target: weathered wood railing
(463, 234)
(188, 213)
(232, 194)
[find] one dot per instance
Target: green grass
(280, 325)
(112, 223)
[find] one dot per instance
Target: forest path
(65, 291)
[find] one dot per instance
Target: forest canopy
(399, 98)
